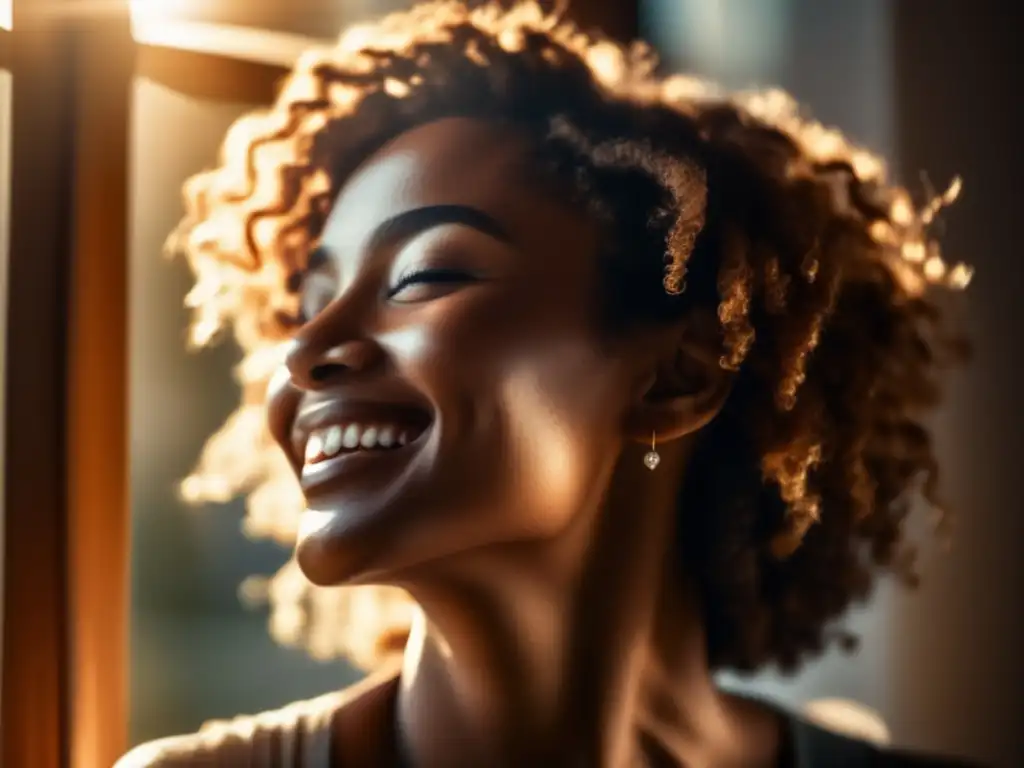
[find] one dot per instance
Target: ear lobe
(687, 389)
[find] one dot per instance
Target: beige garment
(296, 736)
(299, 735)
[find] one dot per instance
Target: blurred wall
(957, 671)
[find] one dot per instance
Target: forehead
(455, 161)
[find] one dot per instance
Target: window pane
(735, 43)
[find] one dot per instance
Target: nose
(313, 364)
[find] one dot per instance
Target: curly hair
(824, 277)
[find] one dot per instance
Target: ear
(684, 386)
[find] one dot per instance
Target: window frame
(67, 519)
(65, 458)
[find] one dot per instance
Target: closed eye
(402, 291)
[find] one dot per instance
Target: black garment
(814, 747)
(807, 745)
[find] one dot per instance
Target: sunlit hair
(822, 275)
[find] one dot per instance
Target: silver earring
(651, 458)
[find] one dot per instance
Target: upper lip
(325, 413)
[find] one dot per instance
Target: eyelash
(428, 276)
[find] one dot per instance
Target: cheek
(465, 342)
(531, 408)
(442, 334)
(562, 412)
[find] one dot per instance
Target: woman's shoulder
(295, 736)
(304, 734)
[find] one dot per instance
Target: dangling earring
(651, 458)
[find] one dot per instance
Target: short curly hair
(822, 275)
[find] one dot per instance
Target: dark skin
(557, 627)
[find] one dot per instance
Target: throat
(520, 680)
(585, 649)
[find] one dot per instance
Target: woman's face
(450, 390)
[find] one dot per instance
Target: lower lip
(335, 473)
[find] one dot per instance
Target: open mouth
(343, 443)
(351, 437)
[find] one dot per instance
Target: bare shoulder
(300, 735)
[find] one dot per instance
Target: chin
(352, 547)
(325, 566)
(333, 550)
(360, 511)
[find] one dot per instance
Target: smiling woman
(479, 261)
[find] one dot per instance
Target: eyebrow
(410, 223)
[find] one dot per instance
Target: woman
(619, 380)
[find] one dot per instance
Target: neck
(585, 651)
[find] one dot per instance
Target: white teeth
(332, 440)
(313, 447)
(351, 439)
(369, 438)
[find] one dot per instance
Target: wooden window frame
(66, 465)
(66, 517)
(65, 458)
